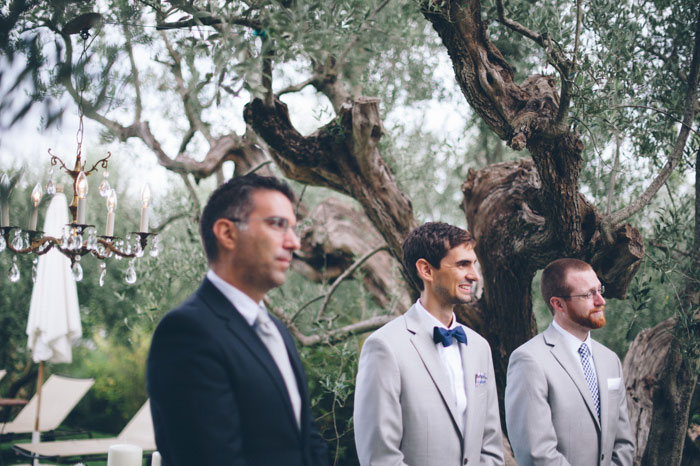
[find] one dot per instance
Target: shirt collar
(242, 302)
(429, 321)
(571, 341)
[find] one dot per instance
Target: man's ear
(425, 270)
(557, 303)
(226, 234)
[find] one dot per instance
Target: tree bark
(344, 156)
(330, 244)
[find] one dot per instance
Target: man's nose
(472, 275)
(598, 299)
(291, 240)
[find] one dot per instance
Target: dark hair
(233, 199)
(554, 278)
(432, 241)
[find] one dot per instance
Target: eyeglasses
(280, 224)
(588, 295)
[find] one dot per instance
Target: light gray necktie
(270, 335)
(589, 373)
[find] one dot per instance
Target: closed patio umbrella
(54, 318)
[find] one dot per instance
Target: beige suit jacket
(550, 414)
(405, 410)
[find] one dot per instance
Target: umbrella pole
(39, 383)
(36, 435)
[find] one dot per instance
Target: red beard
(592, 320)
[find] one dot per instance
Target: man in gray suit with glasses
(565, 397)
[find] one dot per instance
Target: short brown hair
(554, 278)
(234, 199)
(432, 241)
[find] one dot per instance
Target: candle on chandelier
(81, 188)
(36, 198)
(111, 207)
(5, 189)
(145, 199)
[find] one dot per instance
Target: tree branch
(188, 95)
(663, 112)
(365, 25)
(203, 20)
(138, 106)
(296, 87)
(613, 172)
(557, 58)
(610, 222)
(333, 336)
(348, 272)
(193, 193)
(168, 221)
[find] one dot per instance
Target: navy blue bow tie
(444, 336)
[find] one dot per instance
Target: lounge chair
(59, 395)
(139, 431)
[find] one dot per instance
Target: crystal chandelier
(78, 238)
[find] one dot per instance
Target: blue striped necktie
(589, 374)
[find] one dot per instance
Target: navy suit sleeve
(195, 413)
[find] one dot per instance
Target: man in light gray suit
(425, 392)
(565, 397)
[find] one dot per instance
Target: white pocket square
(614, 383)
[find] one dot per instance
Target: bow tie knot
(445, 336)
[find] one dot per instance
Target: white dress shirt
(451, 358)
(241, 301)
(573, 344)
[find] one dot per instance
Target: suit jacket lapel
(424, 345)
(572, 367)
(469, 384)
(601, 370)
(297, 368)
(235, 322)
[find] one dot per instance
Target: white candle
(145, 199)
(124, 455)
(5, 204)
(155, 459)
(81, 188)
(81, 211)
(111, 207)
(36, 198)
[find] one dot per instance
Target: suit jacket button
(602, 457)
(465, 461)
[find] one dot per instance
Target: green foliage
(331, 371)
(120, 388)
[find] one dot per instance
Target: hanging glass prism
(34, 269)
(51, 185)
(104, 186)
(13, 274)
(103, 273)
(155, 247)
(77, 270)
(130, 276)
(17, 241)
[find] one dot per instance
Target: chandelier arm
(38, 248)
(103, 162)
(55, 160)
(113, 250)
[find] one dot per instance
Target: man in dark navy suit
(225, 380)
